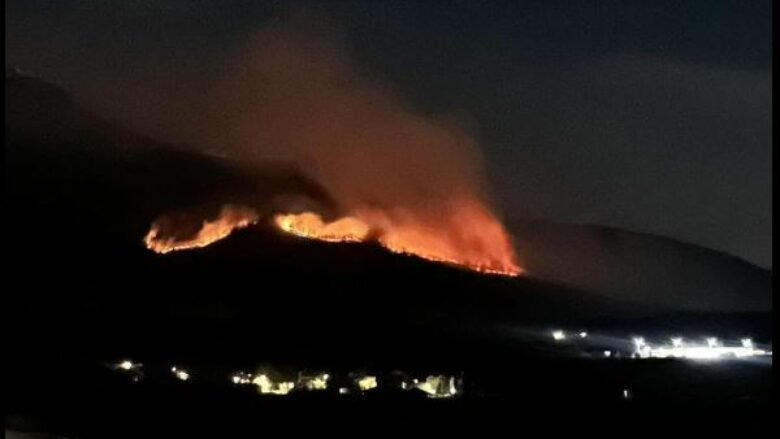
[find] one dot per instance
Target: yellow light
(266, 386)
(438, 386)
(317, 382)
(367, 383)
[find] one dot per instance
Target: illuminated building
(266, 386)
(314, 382)
(439, 386)
(366, 382)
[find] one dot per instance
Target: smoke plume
(293, 94)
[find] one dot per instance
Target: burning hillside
(167, 235)
(410, 180)
(471, 238)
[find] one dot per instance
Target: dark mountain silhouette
(82, 291)
(82, 192)
(646, 268)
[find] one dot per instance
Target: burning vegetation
(472, 238)
(475, 240)
(166, 235)
(412, 181)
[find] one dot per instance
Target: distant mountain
(641, 267)
(81, 193)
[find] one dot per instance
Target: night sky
(653, 116)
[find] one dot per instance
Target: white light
(607, 353)
(126, 365)
(626, 394)
(677, 342)
(559, 335)
(183, 374)
(747, 343)
(583, 334)
(712, 342)
(343, 390)
(241, 378)
(639, 342)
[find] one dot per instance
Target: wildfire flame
(311, 225)
(472, 239)
(230, 218)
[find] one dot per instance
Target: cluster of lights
(180, 374)
(241, 378)
(264, 383)
(438, 386)
(128, 365)
(316, 382)
(135, 370)
(713, 349)
(365, 383)
(435, 386)
(710, 348)
(266, 386)
(560, 335)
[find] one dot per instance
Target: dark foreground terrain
(85, 400)
(83, 292)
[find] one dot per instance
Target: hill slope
(82, 193)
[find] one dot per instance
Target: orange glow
(310, 225)
(471, 237)
(230, 218)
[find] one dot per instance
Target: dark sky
(653, 116)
